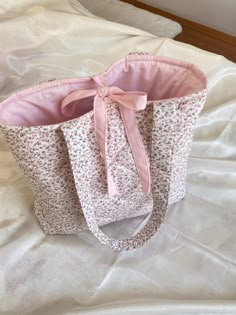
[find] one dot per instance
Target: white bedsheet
(189, 267)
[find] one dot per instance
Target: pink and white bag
(104, 148)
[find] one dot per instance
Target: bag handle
(147, 232)
(163, 147)
(160, 197)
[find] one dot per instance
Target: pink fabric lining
(160, 77)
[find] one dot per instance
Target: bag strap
(161, 165)
(137, 240)
(160, 188)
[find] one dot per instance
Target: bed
(189, 267)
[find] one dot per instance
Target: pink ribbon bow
(128, 103)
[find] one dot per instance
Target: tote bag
(108, 147)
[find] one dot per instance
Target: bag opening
(160, 77)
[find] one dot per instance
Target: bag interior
(161, 78)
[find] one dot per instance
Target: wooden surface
(196, 34)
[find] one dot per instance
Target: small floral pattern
(41, 153)
(63, 166)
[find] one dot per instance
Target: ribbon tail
(100, 119)
(131, 100)
(112, 190)
(137, 147)
(68, 105)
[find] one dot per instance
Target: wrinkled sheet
(189, 267)
(124, 13)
